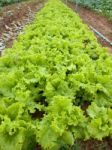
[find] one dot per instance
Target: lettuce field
(55, 84)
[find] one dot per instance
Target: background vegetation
(104, 6)
(6, 2)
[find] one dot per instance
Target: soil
(106, 144)
(96, 20)
(14, 17)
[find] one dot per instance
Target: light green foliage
(52, 71)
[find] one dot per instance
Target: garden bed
(55, 86)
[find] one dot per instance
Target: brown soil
(106, 144)
(15, 14)
(99, 22)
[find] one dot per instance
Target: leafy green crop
(55, 84)
(7, 2)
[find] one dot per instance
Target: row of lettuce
(55, 84)
(103, 6)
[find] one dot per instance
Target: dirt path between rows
(99, 22)
(14, 17)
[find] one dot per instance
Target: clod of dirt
(38, 114)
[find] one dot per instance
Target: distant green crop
(103, 6)
(55, 84)
(7, 2)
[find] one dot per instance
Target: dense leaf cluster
(7, 2)
(55, 84)
(104, 6)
